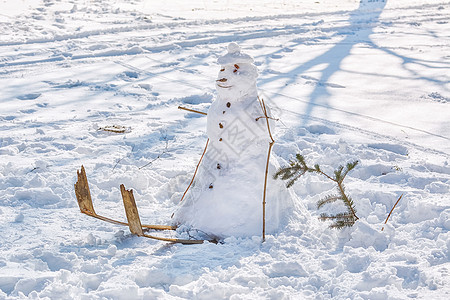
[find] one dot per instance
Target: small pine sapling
(298, 168)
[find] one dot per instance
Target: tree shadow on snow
(358, 31)
(361, 26)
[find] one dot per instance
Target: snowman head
(237, 76)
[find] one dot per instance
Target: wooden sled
(84, 199)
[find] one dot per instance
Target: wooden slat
(83, 194)
(134, 222)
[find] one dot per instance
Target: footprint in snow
(145, 86)
(397, 149)
(128, 75)
(320, 129)
(317, 82)
(270, 71)
(435, 96)
(169, 64)
(98, 47)
(66, 84)
(31, 96)
(28, 111)
(197, 99)
(327, 84)
(437, 187)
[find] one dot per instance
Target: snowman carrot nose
(222, 80)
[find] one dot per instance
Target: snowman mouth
(221, 85)
(224, 86)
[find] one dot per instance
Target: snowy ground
(349, 80)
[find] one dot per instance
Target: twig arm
(192, 110)
(196, 169)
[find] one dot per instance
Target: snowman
(226, 196)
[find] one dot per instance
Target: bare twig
(195, 173)
(120, 159)
(385, 222)
(158, 157)
(192, 110)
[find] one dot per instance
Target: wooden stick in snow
(385, 222)
(272, 141)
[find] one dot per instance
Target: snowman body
(226, 197)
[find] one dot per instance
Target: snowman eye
(236, 66)
(221, 70)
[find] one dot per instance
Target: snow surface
(348, 80)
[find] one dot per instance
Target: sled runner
(86, 206)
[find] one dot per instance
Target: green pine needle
(327, 200)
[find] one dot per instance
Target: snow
(349, 80)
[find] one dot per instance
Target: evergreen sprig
(294, 171)
(298, 168)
